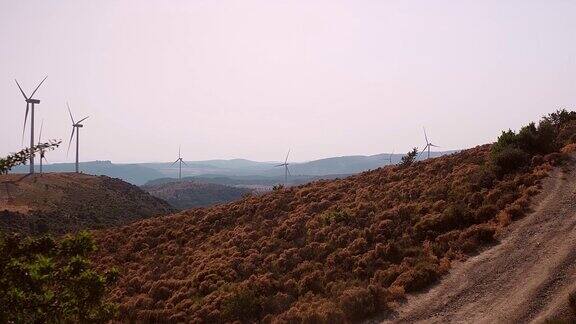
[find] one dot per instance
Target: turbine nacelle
(32, 101)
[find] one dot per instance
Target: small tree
(47, 281)
(14, 159)
(409, 158)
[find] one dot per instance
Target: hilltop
(188, 194)
(64, 202)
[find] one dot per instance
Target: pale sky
(249, 79)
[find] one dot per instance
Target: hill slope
(526, 278)
(327, 251)
(188, 194)
(63, 202)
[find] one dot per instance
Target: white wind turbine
(42, 151)
(179, 159)
(428, 144)
(391, 154)
(286, 170)
(75, 128)
(30, 101)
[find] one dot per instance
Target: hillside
(527, 277)
(341, 250)
(63, 202)
(325, 251)
(188, 194)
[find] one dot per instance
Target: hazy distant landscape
(236, 172)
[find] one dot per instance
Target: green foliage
(50, 281)
(513, 151)
(338, 216)
(244, 305)
(409, 158)
(14, 159)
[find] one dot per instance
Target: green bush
(44, 280)
(509, 159)
(409, 158)
(513, 151)
(244, 304)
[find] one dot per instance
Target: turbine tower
(75, 127)
(286, 170)
(391, 157)
(42, 151)
(30, 101)
(428, 144)
(179, 159)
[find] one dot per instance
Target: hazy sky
(249, 79)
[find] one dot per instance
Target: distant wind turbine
(286, 170)
(32, 101)
(391, 156)
(75, 127)
(179, 159)
(428, 144)
(42, 151)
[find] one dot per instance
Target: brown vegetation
(68, 202)
(327, 251)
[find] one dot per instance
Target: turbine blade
(174, 162)
(32, 95)
(45, 159)
(434, 145)
(70, 142)
(179, 147)
(287, 156)
(425, 147)
(279, 165)
(19, 87)
(184, 163)
(25, 118)
(288, 170)
(40, 135)
(69, 111)
(425, 135)
(83, 119)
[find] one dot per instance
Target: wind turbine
(391, 157)
(286, 170)
(42, 151)
(75, 127)
(179, 159)
(30, 101)
(428, 144)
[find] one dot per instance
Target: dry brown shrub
(326, 252)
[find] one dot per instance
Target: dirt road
(525, 278)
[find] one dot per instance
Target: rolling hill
(189, 194)
(328, 251)
(353, 249)
(66, 202)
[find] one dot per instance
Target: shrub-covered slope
(329, 251)
(188, 194)
(65, 202)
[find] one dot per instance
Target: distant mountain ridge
(249, 172)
